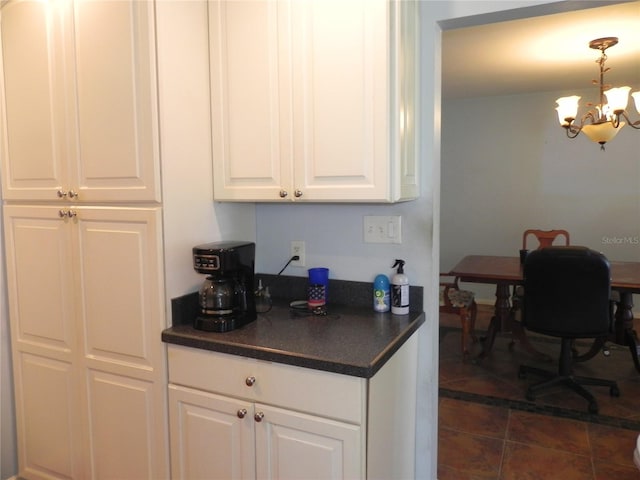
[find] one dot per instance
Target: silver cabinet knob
(298, 193)
(67, 213)
(71, 194)
(283, 193)
(250, 381)
(258, 416)
(242, 413)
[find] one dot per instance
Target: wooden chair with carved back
(461, 302)
(545, 238)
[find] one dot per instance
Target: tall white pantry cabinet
(83, 233)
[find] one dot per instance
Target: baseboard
(486, 301)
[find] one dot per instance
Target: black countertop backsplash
(351, 339)
(341, 292)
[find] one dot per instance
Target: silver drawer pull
(298, 193)
(258, 416)
(242, 413)
(283, 193)
(250, 381)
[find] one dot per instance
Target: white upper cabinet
(80, 101)
(314, 101)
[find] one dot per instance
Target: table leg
(520, 335)
(500, 321)
(487, 342)
(623, 331)
(503, 307)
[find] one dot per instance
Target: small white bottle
(399, 290)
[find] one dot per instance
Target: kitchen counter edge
(364, 367)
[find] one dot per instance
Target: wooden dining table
(506, 272)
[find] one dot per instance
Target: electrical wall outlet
(297, 248)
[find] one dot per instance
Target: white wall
(508, 166)
(190, 217)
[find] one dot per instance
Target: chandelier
(602, 123)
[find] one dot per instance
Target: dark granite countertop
(349, 340)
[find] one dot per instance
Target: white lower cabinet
(86, 308)
(222, 437)
(291, 444)
(233, 417)
(211, 435)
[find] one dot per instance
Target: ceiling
(543, 53)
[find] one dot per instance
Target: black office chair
(567, 296)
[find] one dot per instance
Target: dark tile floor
(488, 430)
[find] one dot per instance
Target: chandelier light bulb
(617, 98)
(636, 99)
(567, 109)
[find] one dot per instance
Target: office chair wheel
(593, 407)
(614, 391)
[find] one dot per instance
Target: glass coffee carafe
(217, 296)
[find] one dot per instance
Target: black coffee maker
(226, 297)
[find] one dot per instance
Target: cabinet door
(250, 100)
(211, 436)
(49, 427)
(117, 120)
(120, 300)
(34, 150)
(44, 339)
(341, 99)
(120, 287)
(127, 435)
(40, 280)
(295, 445)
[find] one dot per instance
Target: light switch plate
(382, 229)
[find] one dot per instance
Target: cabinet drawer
(313, 391)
